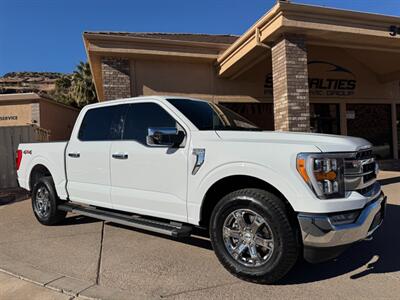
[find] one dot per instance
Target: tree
(82, 89)
(61, 92)
(76, 89)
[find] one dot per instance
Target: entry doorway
(398, 128)
(325, 118)
(374, 123)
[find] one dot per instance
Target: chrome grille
(360, 172)
(365, 154)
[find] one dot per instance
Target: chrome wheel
(248, 238)
(42, 202)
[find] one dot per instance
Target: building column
(290, 83)
(116, 78)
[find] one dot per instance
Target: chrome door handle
(74, 154)
(120, 155)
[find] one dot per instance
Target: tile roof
(193, 37)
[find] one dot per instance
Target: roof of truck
(161, 98)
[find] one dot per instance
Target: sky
(46, 35)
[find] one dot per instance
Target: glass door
(325, 118)
(398, 127)
(374, 123)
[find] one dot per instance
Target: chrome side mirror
(165, 136)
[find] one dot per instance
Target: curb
(64, 284)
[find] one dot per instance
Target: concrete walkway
(17, 289)
(94, 259)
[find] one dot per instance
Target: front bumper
(319, 231)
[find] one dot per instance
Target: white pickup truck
(170, 164)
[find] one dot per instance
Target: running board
(173, 229)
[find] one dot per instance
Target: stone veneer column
(116, 78)
(290, 82)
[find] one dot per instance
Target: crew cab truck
(170, 164)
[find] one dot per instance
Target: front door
(372, 122)
(325, 118)
(148, 180)
(88, 156)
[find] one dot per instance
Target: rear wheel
(252, 236)
(45, 201)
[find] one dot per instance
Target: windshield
(209, 116)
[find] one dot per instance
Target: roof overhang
(99, 45)
(368, 33)
(23, 98)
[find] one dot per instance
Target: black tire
(51, 215)
(272, 210)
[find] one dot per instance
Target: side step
(173, 229)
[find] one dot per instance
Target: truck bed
(49, 155)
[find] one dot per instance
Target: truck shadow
(390, 180)
(77, 220)
(199, 237)
(10, 196)
(381, 255)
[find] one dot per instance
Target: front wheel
(45, 201)
(252, 236)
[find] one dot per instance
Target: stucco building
(54, 119)
(298, 68)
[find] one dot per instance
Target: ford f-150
(171, 164)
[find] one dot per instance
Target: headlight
(323, 172)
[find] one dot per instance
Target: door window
(103, 123)
(142, 116)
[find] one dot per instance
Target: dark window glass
(325, 118)
(103, 123)
(142, 116)
(209, 116)
(398, 127)
(372, 122)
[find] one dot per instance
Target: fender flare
(257, 171)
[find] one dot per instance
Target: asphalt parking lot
(139, 264)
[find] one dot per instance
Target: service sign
(15, 114)
(8, 118)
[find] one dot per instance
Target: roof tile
(194, 37)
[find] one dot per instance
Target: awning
(371, 38)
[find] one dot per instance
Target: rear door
(149, 180)
(88, 155)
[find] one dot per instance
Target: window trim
(183, 122)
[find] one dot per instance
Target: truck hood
(325, 142)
